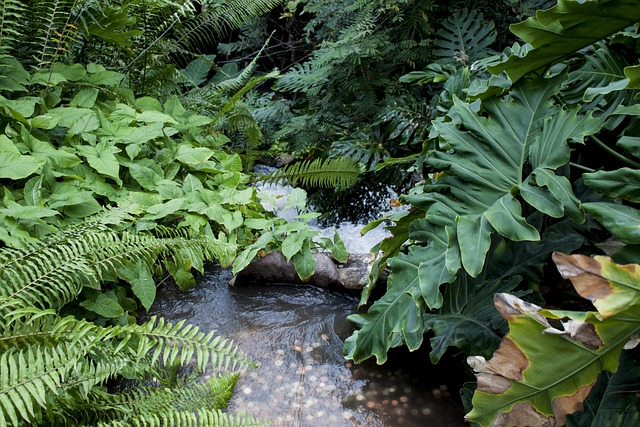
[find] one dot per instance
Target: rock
(274, 268)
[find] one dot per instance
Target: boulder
(274, 268)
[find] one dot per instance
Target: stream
(295, 334)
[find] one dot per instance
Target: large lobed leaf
(566, 28)
(496, 162)
(516, 386)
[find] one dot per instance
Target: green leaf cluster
(541, 155)
(55, 366)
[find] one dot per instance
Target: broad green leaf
(196, 71)
(181, 275)
(85, 98)
(397, 317)
(191, 184)
(145, 176)
(68, 116)
(155, 117)
(21, 212)
(304, 262)
(465, 36)
(141, 280)
(623, 183)
(99, 76)
(20, 108)
(296, 198)
(102, 159)
(62, 156)
(631, 143)
(506, 217)
(148, 103)
(468, 321)
(104, 306)
(165, 209)
(338, 249)
(13, 164)
(192, 155)
(474, 237)
(517, 382)
(293, 243)
(72, 72)
(622, 221)
(633, 75)
(564, 29)
(75, 204)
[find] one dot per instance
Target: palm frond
(330, 173)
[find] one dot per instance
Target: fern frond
(219, 17)
(145, 401)
(54, 30)
(12, 17)
(330, 173)
(27, 376)
(178, 343)
(200, 418)
(53, 274)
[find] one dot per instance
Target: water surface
(295, 334)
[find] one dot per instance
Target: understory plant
(535, 152)
(56, 368)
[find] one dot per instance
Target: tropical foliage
(505, 187)
(55, 367)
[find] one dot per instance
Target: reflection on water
(295, 334)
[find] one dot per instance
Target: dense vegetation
(127, 130)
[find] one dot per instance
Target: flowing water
(296, 334)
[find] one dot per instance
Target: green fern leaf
(330, 173)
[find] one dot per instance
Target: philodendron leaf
(623, 183)
(489, 163)
(622, 221)
(547, 364)
(564, 29)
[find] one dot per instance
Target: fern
(331, 173)
(54, 273)
(12, 13)
(218, 18)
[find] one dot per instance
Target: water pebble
(247, 390)
(426, 411)
(324, 337)
(279, 362)
(404, 399)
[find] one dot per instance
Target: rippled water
(295, 334)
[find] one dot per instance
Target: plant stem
(614, 153)
(579, 166)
